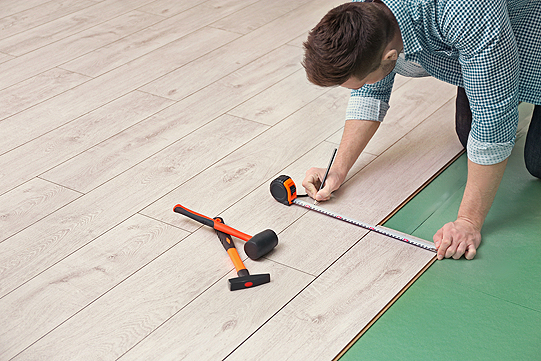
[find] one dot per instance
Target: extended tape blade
(378, 229)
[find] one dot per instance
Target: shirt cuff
(366, 108)
(488, 153)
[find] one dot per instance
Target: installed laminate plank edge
(38, 247)
(170, 7)
(10, 7)
(37, 89)
(50, 56)
(133, 46)
(130, 312)
(253, 164)
(51, 149)
(55, 295)
(214, 65)
(280, 100)
(325, 316)
(39, 15)
(206, 330)
(63, 27)
(257, 15)
(99, 164)
(107, 87)
(30, 202)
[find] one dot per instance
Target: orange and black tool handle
(229, 246)
(207, 221)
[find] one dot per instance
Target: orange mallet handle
(211, 222)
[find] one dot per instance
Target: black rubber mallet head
(245, 279)
(255, 247)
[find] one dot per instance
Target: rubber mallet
(245, 279)
(255, 247)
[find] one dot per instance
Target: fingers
(311, 182)
(454, 240)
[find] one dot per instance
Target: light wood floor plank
(37, 89)
(170, 7)
(43, 244)
(10, 7)
(279, 101)
(57, 294)
(225, 326)
(29, 203)
(318, 323)
(257, 15)
(93, 94)
(45, 58)
(147, 40)
(5, 57)
(239, 173)
(39, 15)
(84, 19)
(65, 142)
(128, 313)
(130, 147)
(213, 66)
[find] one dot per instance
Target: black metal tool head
(250, 281)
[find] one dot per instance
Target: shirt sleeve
(481, 31)
(371, 102)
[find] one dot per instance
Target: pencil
(327, 172)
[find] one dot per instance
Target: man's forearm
(481, 187)
(356, 135)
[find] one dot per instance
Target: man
(489, 49)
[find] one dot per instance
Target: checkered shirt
(492, 48)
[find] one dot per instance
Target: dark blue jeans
(532, 149)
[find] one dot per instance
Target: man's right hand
(312, 182)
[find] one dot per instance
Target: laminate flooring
(112, 112)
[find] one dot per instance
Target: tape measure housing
(283, 189)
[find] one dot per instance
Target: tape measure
(283, 189)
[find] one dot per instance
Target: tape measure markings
(378, 229)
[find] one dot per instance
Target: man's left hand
(457, 238)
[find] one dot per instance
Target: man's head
(355, 43)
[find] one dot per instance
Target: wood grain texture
(63, 50)
(254, 164)
(116, 322)
(43, 244)
(29, 203)
(173, 123)
(170, 7)
(112, 85)
(225, 327)
(257, 15)
(39, 15)
(142, 42)
(37, 89)
(279, 101)
(71, 285)
(213, 66)
(10, 7)
(63, 27)
(65, 142)
(331, 311)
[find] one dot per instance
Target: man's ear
(391, 55)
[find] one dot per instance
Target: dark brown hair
(348, 41)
